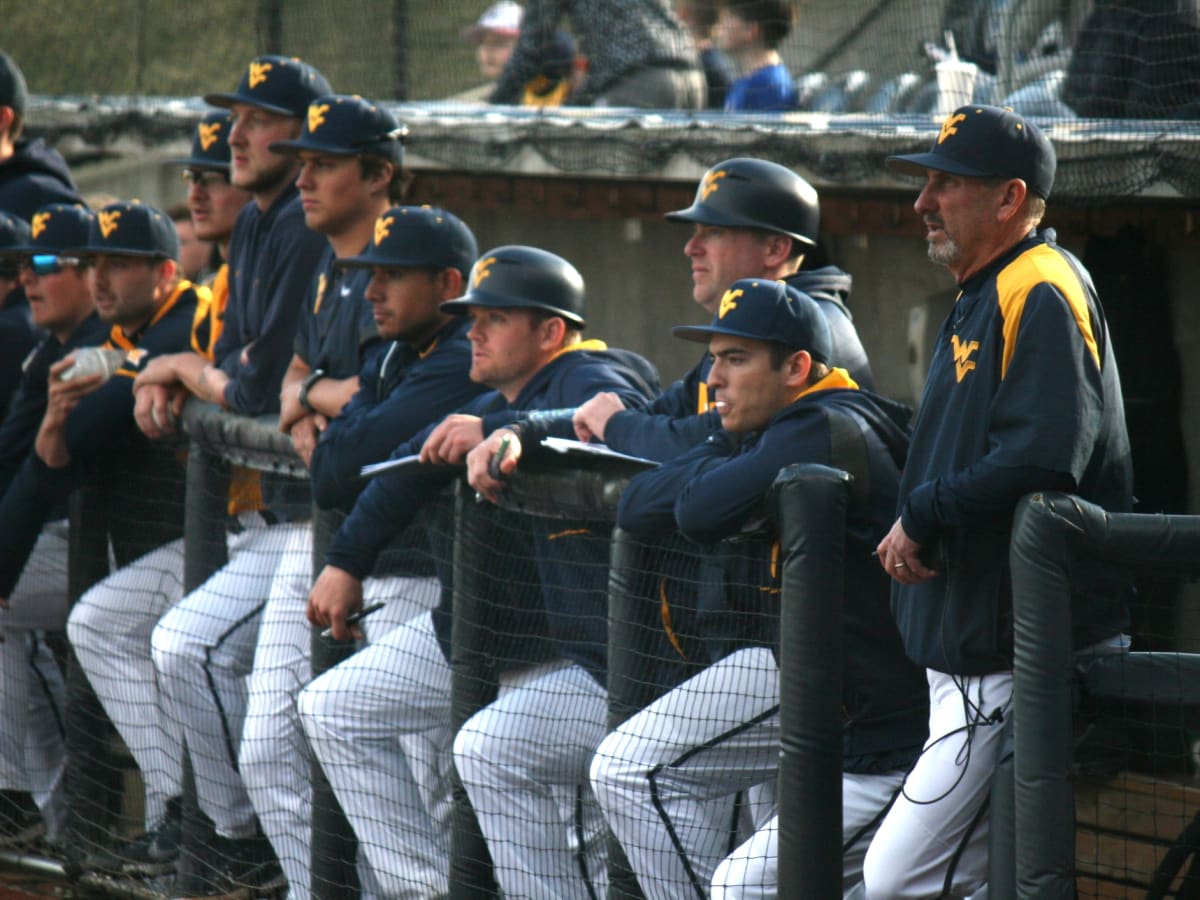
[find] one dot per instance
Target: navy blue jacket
(32, 177)
(272, 258)
(20, 426)
(572, 563)
(100, 430)
(17, 338)
(680, 418)
(1022, 395)
(337, 330)
(715, 494)
(401, 391)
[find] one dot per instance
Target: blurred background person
(700, 19)
(494, 36)
(638, 54)
(559, 68)
(750, 31)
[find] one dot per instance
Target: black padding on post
(1042, 709)
(334, 845)
(473, 685)
(204, 553)
(92, 781)
(808, 504)
(1051, 532)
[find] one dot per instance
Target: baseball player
(350, 169)
(31, 703)
(718, 733)
(751, 219)
(32, 174)
(110, 625)
(273, 256)
(87, 433)
(1022, 395)
(414, 259)
(526, 308)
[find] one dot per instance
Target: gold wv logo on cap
(728, 302)
(383, 228)
(209, 133)
(108, 221)
(316, 116)
(949, 126)
(40, 221)
(258, 73)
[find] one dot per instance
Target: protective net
(1113, 82)
(506, 734)
(540, 700)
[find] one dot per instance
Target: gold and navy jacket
(680, 417)
(1022, 395)
(715, 495)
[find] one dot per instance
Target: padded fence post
(1042, 713)
(1051, 532)
(204, 553)
(93, 784)
(808, 504)
(334, 845)
(632, 616)
(472, 686)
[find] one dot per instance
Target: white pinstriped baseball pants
(32, 692)
(274, 758)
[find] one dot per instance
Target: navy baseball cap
(987, 142)
(13, 92)
(56, 228)
(766, 310)
(14, 234)
(278, 84)
(210, 143)
(131, 228)
(348, 126)
(418, 236)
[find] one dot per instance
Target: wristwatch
(313, 377)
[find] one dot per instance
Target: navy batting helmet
(418, 236)
(754, 193)
(523, 277)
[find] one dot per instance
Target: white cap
(503, 17)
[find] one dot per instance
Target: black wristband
(313, 377)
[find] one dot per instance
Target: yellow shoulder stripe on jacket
(1041, 264)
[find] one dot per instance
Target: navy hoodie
(34, 176)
